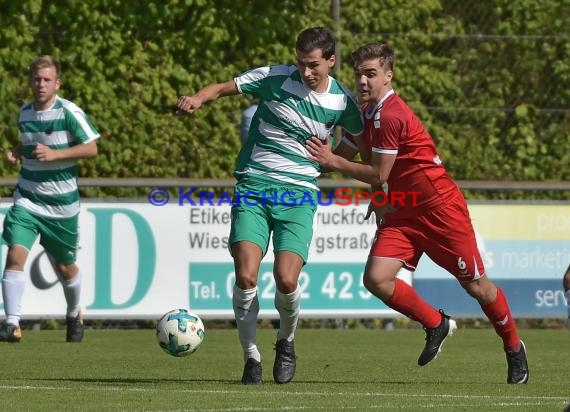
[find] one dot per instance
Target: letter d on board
(105, 252)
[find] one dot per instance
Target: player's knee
(377, 285)
(481, 289)
(246, 273)
(286, 284)
(246, 279)
(67, 272)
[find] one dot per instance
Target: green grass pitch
(337, 370)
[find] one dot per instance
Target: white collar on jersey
(368, 113)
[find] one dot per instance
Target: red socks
(500, 316)
(406, 301)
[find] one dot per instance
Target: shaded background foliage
(490, 78)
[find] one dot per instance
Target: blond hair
(42, 62)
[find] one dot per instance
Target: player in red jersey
(438, 224)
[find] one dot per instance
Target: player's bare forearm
(189, 104)
(321, 152)
(344, 150)
(215, 91)
(357, 170)
(81, 151)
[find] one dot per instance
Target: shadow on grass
(133, 381)
(154, 381)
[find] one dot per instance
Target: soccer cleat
(518, 366)
(285, 361)
(435, 338)
(252, 373)
(75, 328)
(10, 333)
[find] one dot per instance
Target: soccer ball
(179, 332)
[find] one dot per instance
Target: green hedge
(490, 79)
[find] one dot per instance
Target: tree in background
(491, 78)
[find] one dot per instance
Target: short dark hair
(42, 62)
(316, 38)
(375, 50)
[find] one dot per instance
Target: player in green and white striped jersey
(54, 133)
(275, 173)
(290, 113)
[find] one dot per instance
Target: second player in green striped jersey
(54, 134)
(49, 188)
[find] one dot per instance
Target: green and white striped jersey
(289, 113)
(50, 188)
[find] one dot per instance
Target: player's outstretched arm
(189, 104)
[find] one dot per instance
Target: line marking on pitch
(277, 393)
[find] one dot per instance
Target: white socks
(13, 284)
(72, 292)
(288, 306)
(246, 309)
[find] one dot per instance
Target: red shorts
(444, 234)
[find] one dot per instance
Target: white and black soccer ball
(180, 332)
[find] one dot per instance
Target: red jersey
(391, 127)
